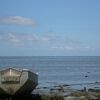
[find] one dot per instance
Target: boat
(17, 82)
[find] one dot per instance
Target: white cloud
(90, 48)
(45, 39)
(13, 38)
(20, 40)
(69, 48)
(17, 20)
(52, 43)
(72, 47)
(0, 37)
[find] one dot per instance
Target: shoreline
(61, 92)
(66, 92)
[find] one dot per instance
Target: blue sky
(49, 27)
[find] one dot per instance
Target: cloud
(45, 39)
(71, 45)
(17, 20)
(52, 42)
(18, 39)
(62, 48)
(90, 48)
(13, 38)
(0, 37)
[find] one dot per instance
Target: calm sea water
(60, 69)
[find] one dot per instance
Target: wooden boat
(16, 82)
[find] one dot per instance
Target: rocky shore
(61, 92)
(66, 92)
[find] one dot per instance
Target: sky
(49, 27)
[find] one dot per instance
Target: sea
(56, 70)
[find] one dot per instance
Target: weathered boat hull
(16, 82)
